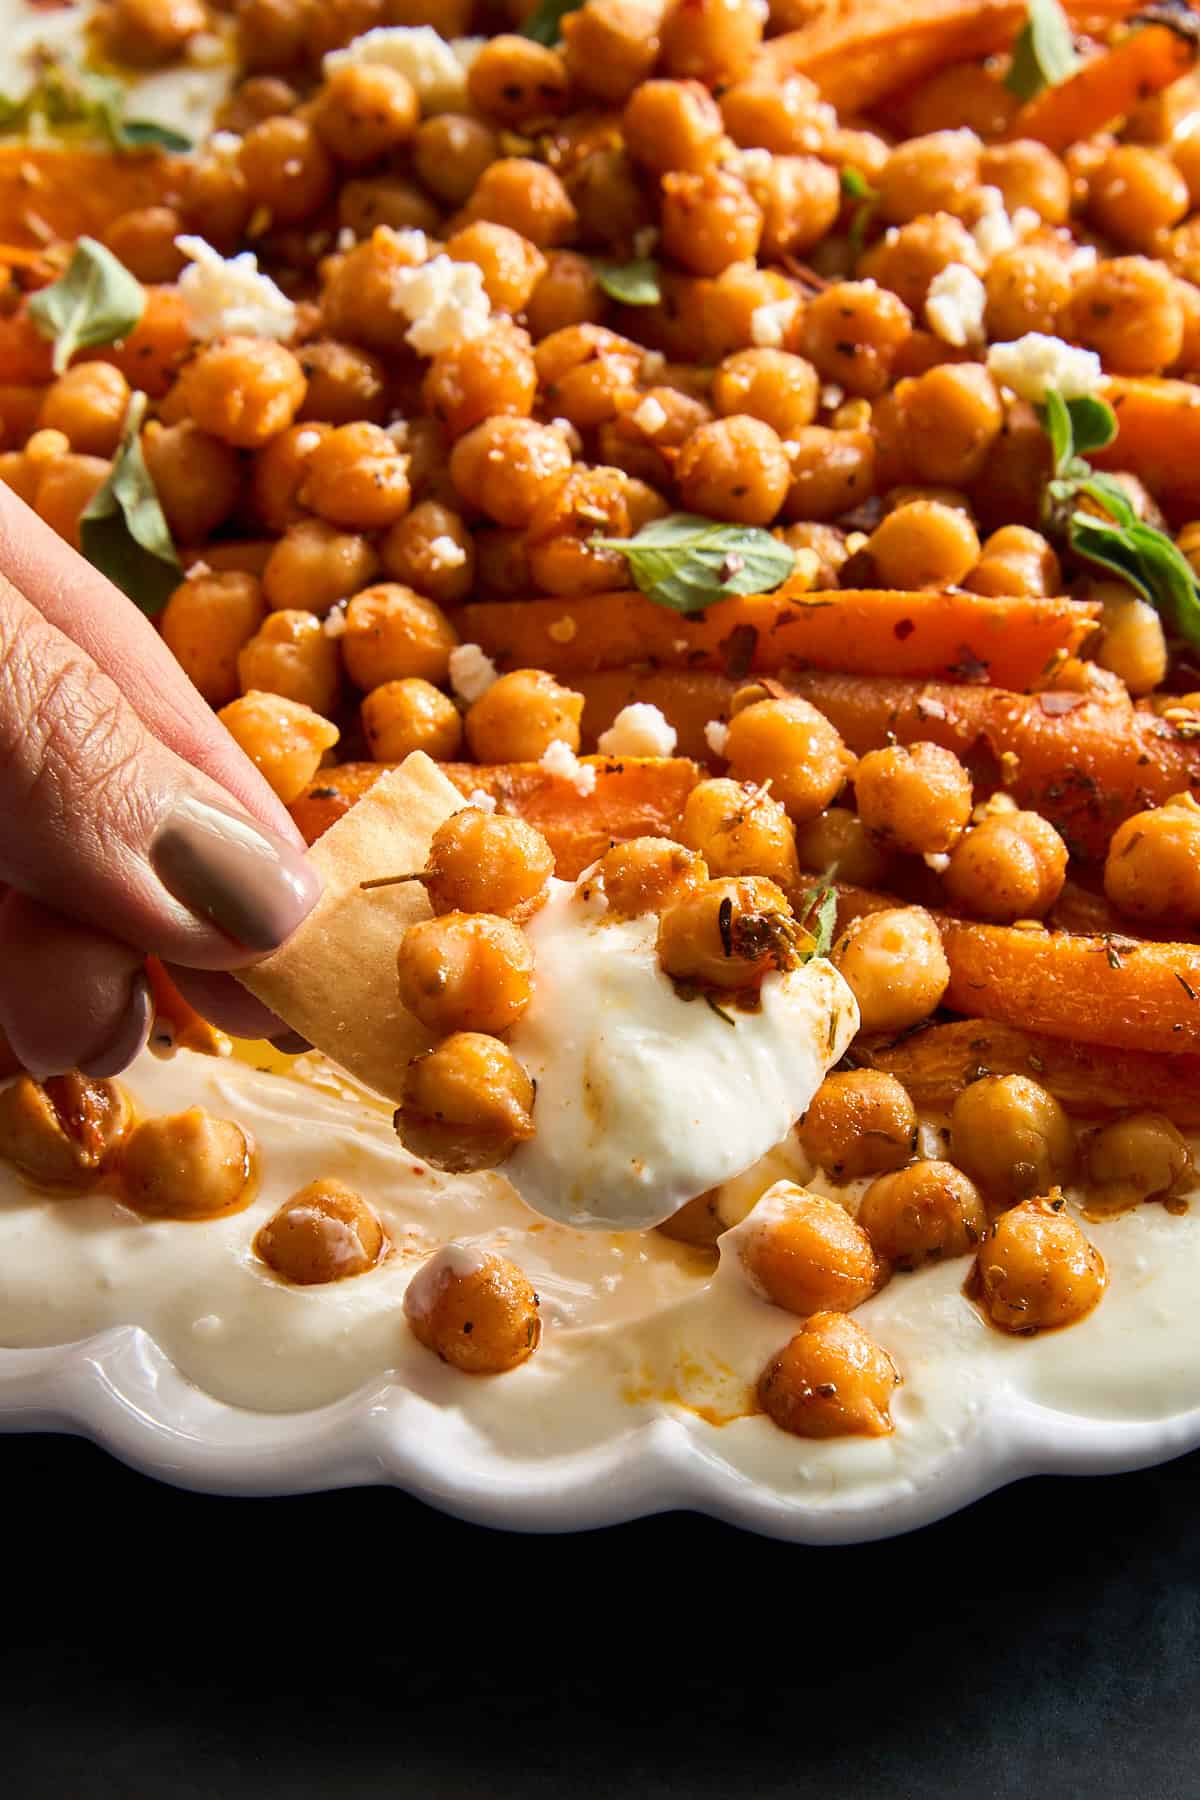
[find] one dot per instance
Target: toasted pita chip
(334, 981)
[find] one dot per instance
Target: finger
(226, 1003)
(101, 817)
(122, 642)
(70, 997)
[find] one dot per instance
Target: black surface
(172, 1647)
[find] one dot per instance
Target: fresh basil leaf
(1044, 53)
(1107, 492)
(1059, 428)
(686, 562)
(818, 915)
(123, 532)
(1149, 562)
(95, 301)
(1093, 422)
(544, 24)
(145, 134)
(633, 283)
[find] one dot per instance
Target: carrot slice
(687, 699)
(1108, 86)
(1158, 438)
(878, 632)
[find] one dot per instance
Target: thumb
(101, 821)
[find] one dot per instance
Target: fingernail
(240, 876)
(130, 1037)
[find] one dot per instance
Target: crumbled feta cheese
(753, 165)
(467, 49)
(1035, 363)
(224, 144)
(471, 672)
(769, 324)
(481, 800)
(716, 736)
(228, 297)
(832, 396)
(444, 301)
(437, 70)
(937, 860)
(346, 239)
(1084, 256)
(445, 553)
(650, 416)
(195, 570)
(993, 229)
(653, 365)
(954, 306)
(1025, 222)
(559, 759)
(638, 730)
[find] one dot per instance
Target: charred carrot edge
(1089, 1079)
(954, 636)
(50, 191)
(190, 1029)
(1108, 86)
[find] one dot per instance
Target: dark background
(161, 1644)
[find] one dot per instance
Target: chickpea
(698, 1222)
(1028, 288)
(1037, 1271)
(569, 293)
(588, 375)
(1134, 645)
(914, 797)
(424, 441)
(954, 419)
(526, 196)
(474, 1310)
(733, 468)
(514, 80)
(481, 378)
(740, 830)
(1140, 1157)
(242, 390)
(672, 125)
(355, 477)
(149, 33)
(907, 260)
(345, 384)
(794, 747)
(647, 874)
(1015, 560)
(713, 41)
(483, 862)
(831, 1380)
(325, 1232)
(1135, 195)
(800, 197)
(715, 318)
(64, 1132)
(772, 385)
(853, 333)
(391, 633)
(510, 264)
(727, 933)
(467, 1104)
(1128, 310)
(860, 1122)
(806, 1254)
(709, 220)
(287, 169)
(272, 34)
(449, 18)
(838, 840)
(562, 556)
(284, 740)
(358, 298)
(925, 544)
(895, 965)
(1153, 866)
(279, 472)
(609, 46)
(831, 472)
(1011, 1137)
(610, 200)
(923, 1213)
(186, 1165)
(87, 404)
(259, 97)
(197, 478)
(827, 543)
(430, 549)
(314, 565)
(205, 624)
(335, 23)
(502, 466)
(936, 173)
(364, 111)
(521, 715)
(66, 486)
(1012, 866)
(403, 716)
(450, 153)
(292, 655)
(781, 116)
(384, 200)
(1028, 174)
(465, 972)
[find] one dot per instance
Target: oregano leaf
(123, 531)
(1044, 53)
(95, 301)
(686, 562)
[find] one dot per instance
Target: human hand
(130, 822)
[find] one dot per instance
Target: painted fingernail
(130, 1037)
(239, 875)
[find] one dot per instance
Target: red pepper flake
(904, 628)
(739, 648)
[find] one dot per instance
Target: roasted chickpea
(924, 544)
(733, 468)
(913, 797)
(144, 240)
(450, 153)
(314, 565)
(714, 41)
(831, 472)
(391, 633)
(1128, 310)
(1011, 1137)
(727, 933)
(672, 125)
(1135, 195)
(355, 477)
(291, 655)
(827, 544)
(514, 80)
(242, 390)
(709, 220)
(467, 1104)
(1028, 286)
(794, 747)
(503, 465)
(740, 830)
(64, 1132)
(526, 196)
(772, 385)
(1027, 173)
(272, 34)
(853, 333)
(389, 200)
(800, 197)
(895, 965)
(1037, 1271)
(186, 1165)
(905, 260)
(609, 46)
(87, 404)
(403, 716)
(923, 1213)
(483, 862)
(806, 1254)
(521, 715)
(860, 1121)
(474, 1310)
(432, 551)
(1152, 870)
(279, 472)
(511, 266)
(1012, 866)
(937, 173)
(1015, 560)
(954, 419)
(480, 378)
(325, 1232)
(149, 33)
(611, 204)
(358, 294)
(197, 478)
(206, 622)
(287, 168)
(831, 1380)
(1140, 1157)
(1134, 645)
(284, 740)
(838, 840)
(345, 384)
(698, 1222)
(258, 97)
(569, 293)
(762, 112)
(465, 972)
(364, 111)
(647, 874)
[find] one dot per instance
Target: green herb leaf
(818, 915)
(64, 96)
(95, 301)
(856, 187)
(145, 134)
(633, 283)
(1074, 427)
(686, 562)
(1044, 53)
(123, 531)
(1093, 423)
(544, 24)
(1148, 561)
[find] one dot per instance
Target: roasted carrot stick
(1108, 86)
(58, 191)
(880, 632)
(1158, 438)
(687, 698)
